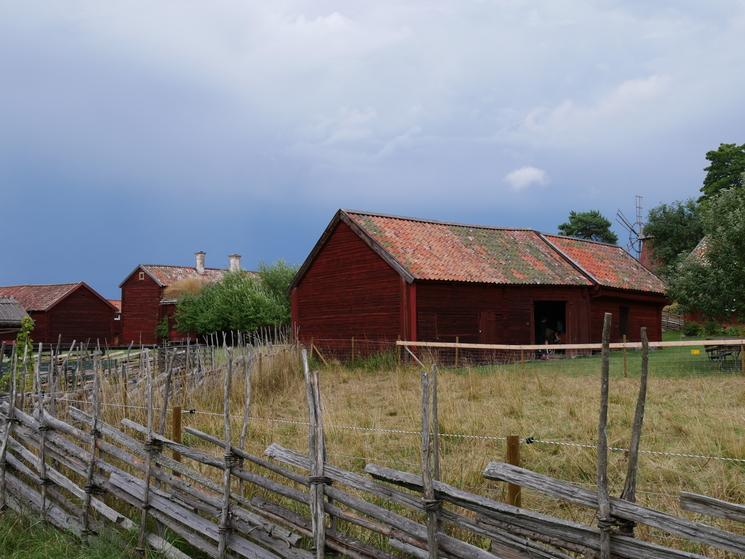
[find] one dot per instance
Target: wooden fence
(82, 474)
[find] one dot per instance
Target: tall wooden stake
(151, 450)
(604, 518)
(435, 422)
(8, 425)
(629, 488)
(247, 367)
(90, 481)
(317, 451)
(42, 434)
(431, 505)
(224, 528)
(166, 391)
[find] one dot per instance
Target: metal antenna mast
(635, 230)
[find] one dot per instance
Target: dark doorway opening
(623, 323)
(550, 322)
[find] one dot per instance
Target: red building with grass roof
(380, 277)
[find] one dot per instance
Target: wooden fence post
(629, 488)
(431, 505)
(604, 518)
(247, 368)
(742, 359)
(8, 424)
(514, 496)
(224, 528)
(166, 390)
(90, 474)
(625, 359)
(42, 435)
(152, 448)
(316, 451)
(176, 433)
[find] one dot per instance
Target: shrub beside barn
(380, 277)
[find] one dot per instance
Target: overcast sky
(143, 131)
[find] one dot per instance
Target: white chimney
(200, 261)
(235, 262)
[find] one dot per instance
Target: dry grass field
(691, 413)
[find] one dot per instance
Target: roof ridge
(42, 284)
(181, 266)
(440, 222)
(571, 238)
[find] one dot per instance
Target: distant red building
(383, 277)
(74, 311)
(146, 301)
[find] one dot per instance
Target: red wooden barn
(382, 277)
(146, 300)
(74, 310)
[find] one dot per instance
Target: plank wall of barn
(80, 316)
(140, 310)
(642, 311)
(348, 291)
(495, 314)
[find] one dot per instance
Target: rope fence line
(466, 436)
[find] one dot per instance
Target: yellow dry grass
(186, 286)
(692, 414)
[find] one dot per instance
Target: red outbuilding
(74, 311)
(380, 277)
(148, 299)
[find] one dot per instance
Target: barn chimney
(646, 254)
(200, 261)
(235, 262)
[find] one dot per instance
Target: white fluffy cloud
(525, 177)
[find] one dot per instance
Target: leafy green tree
(591, 225)
(240, 301)
(676, 229)
(713, 285)
(725, 170)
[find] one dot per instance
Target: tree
(725, 170)
(590, 225)
(240, 301)
(676, 229)
(713, 285)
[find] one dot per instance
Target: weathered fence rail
(82, 474)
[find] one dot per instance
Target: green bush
(241, 301)
(713, 328)
(691, 329)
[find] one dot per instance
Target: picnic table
(727, 356)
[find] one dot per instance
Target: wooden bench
(727, 356)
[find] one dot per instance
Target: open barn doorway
(550, 322)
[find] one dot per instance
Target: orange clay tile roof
(451, 252)
(38, 297)
(116, 303)
(608, 265)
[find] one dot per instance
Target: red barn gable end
(379, 277)
(73, 311)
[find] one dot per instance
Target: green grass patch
(27, 537)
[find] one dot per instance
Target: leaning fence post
(42, 435)
(90, 481)
(435, 425)
(166, 391)
(431, 505)
(152, 448)
(604, 517)
(8, 425)
(316, 451)
(247, 367)
(629, 488)
(224, 529)
(513, 457)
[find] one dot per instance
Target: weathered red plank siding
(140, 310)
(494, 314)
(80, 316)
(348, 291)
(640, 313)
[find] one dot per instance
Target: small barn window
(142, 276)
